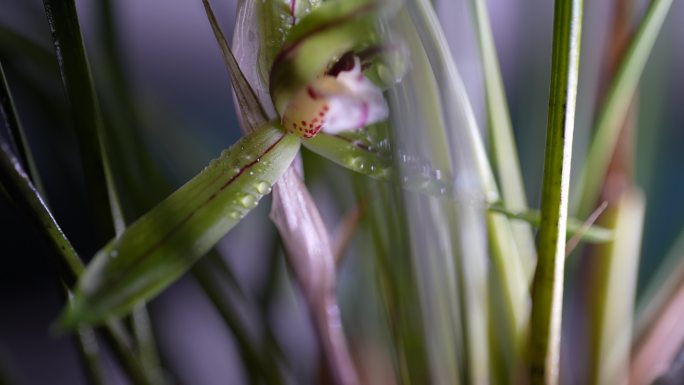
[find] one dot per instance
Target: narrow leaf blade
(615, 107)
(163, 244)
(85, 110)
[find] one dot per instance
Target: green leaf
(320, 38)
(15, 183)
(17, 135)
(252, 112)
(351, 153)
(358, 152)
(509, 268)
(594, 234)
(159, 247)
(85, 110)
(547, 286)
(504, 153)
(615, 106)
(612, 284)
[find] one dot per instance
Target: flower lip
(345, 63)
(342, 99)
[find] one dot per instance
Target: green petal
(356, 155)
(320, 38)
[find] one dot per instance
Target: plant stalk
(547, 287)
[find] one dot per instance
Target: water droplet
(354, 162)
(443, 190)
(114, 253)
(248, 201)
(263, 188)
(235, 215)
(251, 173)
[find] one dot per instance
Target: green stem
(547, 288)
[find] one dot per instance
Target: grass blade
(615, 107)
(85, 110)
(547, 286)
(22, 192)
(509, 269)
(163, 244)
(613, 289)
(16, 131)
(503, 153)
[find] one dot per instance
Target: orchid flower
(337, 101)
(309, 88)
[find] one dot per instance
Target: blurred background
(184, 111)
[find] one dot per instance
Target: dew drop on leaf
(248, 201)
(262, 187)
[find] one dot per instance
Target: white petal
(335, 104)
(361, 103)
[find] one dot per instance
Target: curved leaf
(163, 244)
(362, 152)
(352, 154)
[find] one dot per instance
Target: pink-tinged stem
(308, 246)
